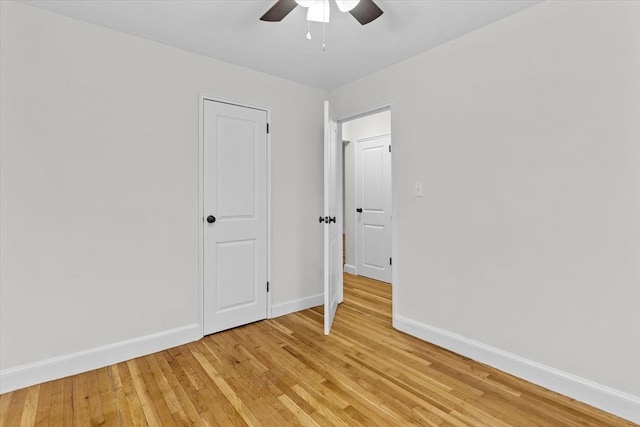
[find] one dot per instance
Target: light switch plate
(417, 189)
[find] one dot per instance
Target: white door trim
(371, 138)
(200, 296)
(365, 112)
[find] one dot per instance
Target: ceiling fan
(364, 11)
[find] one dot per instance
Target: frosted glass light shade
(306, 3)
(318, 11)
(346, 5)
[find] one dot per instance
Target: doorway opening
(358, 202)
(367, 195)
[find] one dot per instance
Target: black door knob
(211, 219)
(359, 210)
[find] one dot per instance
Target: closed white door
(235, 215)
(332, 221)
(373, 208)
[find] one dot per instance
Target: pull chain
(324, 13)
(308, 31)
(323, 38)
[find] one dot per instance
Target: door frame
(388, 105)
(201, 217)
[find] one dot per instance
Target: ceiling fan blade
(366, 11)
(279, 10)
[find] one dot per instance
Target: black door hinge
(390, 261)
(267, 127)
(389, 148)
(267, 286)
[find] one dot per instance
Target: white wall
(526, 135)
(363, 127)
(375, 124)
(99, 183)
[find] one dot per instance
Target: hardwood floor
(284, 372)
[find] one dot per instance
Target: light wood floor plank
(94, 399)
(15, 407)
(56, 408)
(107, 400)
(285, 372)
(45, 397)
(118, 397)
(80, 400)
(133, 400)
(30, 406)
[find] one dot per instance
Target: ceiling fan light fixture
(346, 5)
(305, 3)
(318, 11)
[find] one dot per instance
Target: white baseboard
(351, 269)
(87, 360)
(296, 305)
(619, 403)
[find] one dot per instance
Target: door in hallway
(373, 207)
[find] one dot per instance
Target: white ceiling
(230, 30)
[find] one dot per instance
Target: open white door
(332, 221)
